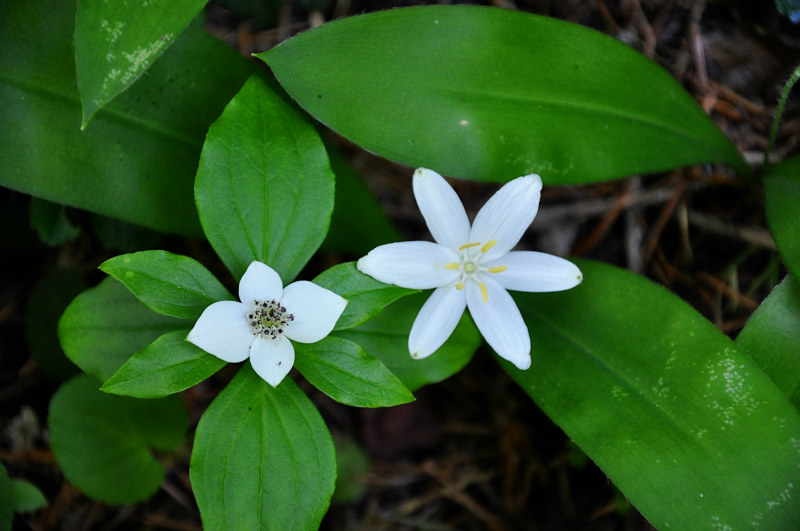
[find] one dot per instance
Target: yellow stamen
(468, 245)
(484, 292)
(451, 266)
(459, 285)
(498, 269)
(488, 245)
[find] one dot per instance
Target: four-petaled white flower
(472, 266)
(262, 325)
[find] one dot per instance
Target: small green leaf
(51, 223)
(264, 188)
(352, 466)
(115, 42)
(358, 223)
(782, 191)
(169, 284)
(386, 338)
(366, 297)
(772, 337)
(166, 366)
(46, 302)
(687, 426)
(27, 498)
(262, 458)
(491, 94)
(6, 500)
(106, 325)
(343, 371)
(103, 442)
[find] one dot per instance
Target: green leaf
(46, 302)
(103, 442)
(386, 338)
(115, 42)
(27, 497)
(688, 427)
(168, 365)
(352, 466)
(772, 337)
(123, 237)
(343, 371)
(366, 297)
(262, 458)
(491, 94)
(358, 223)
(782, 191)
(6, 500)
(106, 325)
(169, 284)
(137, 159)
(51, 223)
(264, 187)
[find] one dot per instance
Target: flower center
(268, 319)
(470, 265)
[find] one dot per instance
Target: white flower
(472, 267)
(269, 315)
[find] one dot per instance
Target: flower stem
(779, 111)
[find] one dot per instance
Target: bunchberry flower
(267, 318)
(472, 266)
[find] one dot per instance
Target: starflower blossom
(267, 318)
(472, 267)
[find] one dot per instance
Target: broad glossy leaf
(138, 157)
(166, 366)
(262, 458)
(264, 187)
(343, 371)
(686, 425)
(491, 94)
(6, 500)
(782, 191)
(27, 497)
(106, 325)
(103, 442)
(115, 42)
(167, 283)
(366, 297)
(358, 223)
(386, 337)
(772, 337)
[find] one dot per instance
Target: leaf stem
(784, 96)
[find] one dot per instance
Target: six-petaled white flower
(267, 318)
(472, 266)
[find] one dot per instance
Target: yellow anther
(468, 245)
(451, 266)
(488, 245)
(484, 292)
(459, 285)
(498, 269)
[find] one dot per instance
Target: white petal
(223, 330)
(500, 322)
(272, 359)
(442, 209)
(259, 282)
(532, 271)
(507, 214)
(315, 311)
(413, 265)
(436, 321)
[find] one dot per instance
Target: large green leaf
(262, 458)
(103, 442)
(772, 337)
(687, 426)
(491, 94)
(264, 188)
(343, 371)
(137, 159)
(386, 337)
(106, 325)
(782, 191)
(170, 284)
(115, 42)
